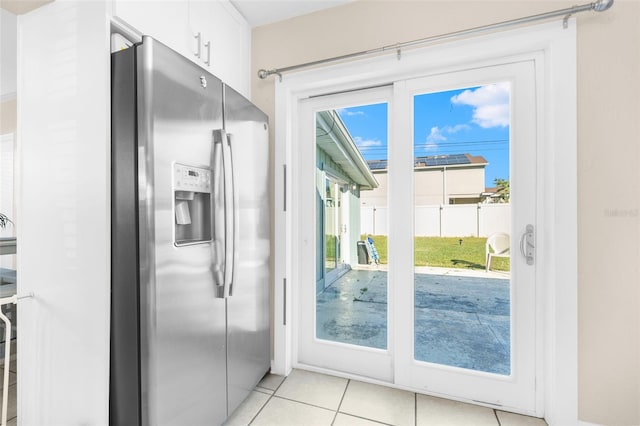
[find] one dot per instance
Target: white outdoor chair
(497, 246)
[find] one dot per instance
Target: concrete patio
(462, 317)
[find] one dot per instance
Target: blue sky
(472, 120)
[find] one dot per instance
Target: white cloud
(456, 128)
(364, 144)
(434, 137)
(348, 113)
(437, 134)
(490, 103)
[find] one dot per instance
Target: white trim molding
(554, 50)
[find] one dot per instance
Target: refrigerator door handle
(219, 212)
(228, 214)
(235, 215)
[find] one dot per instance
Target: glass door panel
(351, 306)
(470, 328)
(347, 326)
(462, 213)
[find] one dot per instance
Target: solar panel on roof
(429, 161)
(377, 164)
(442, 160)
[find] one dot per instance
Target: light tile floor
(307, 398)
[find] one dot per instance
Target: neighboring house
(341, 174)
(448, 191)
(438, 180)
(494, 195)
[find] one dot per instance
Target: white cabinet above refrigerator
(212, 34)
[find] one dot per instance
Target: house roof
(333, 138)
(459, 160)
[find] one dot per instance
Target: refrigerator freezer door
(182, 324)
(248, 344)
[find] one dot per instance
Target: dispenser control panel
(190, 178)
(191, 205)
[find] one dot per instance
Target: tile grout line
(260, 410)
(495, 413)
(302, 402)
(352, 415)
(344, 393)
(273, 395)
(265, 391)
(267, 401)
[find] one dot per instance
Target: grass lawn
(446, 252)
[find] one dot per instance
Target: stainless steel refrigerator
(190, 242)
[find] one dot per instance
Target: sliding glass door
(439, 214)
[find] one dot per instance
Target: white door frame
(556, 47)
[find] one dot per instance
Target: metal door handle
(198, 38)
(227, 234)
(235, 214)
(527, 245)
(218, 213)
(228, 214)
(207, 45)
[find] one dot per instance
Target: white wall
(64, 205)
(433, 186)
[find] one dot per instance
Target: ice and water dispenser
(192, 204)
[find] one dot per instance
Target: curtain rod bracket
(565, 21)
(263, 74)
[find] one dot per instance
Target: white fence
(468, 220)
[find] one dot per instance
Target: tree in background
(502, 192)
